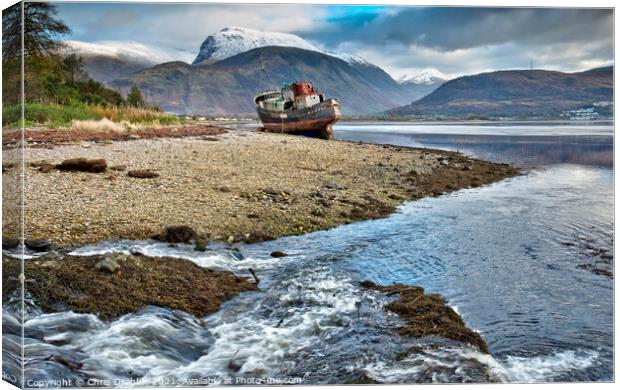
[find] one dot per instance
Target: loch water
(515, 259)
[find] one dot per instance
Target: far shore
(454, 121)
(229, 185)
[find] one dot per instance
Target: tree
(41, 30)
(72, 65)
(134, 98)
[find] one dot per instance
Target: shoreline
(234, 186)
(48, 138)
(230, 186)
(456, 121)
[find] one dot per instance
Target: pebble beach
(233, 186)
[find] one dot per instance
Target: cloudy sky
(402, 40)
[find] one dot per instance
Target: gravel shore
(235, 186)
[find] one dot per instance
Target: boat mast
(263, 80)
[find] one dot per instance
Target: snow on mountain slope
(130, 51)
(231, 41)
(428, 76)
(105, 61)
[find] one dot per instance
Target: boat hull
(314, 121)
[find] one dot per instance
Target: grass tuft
(83, 115)
(107, 125)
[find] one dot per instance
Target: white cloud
(577, 43)
(184, 27)
(399, 60)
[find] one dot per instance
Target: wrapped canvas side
(12, 196)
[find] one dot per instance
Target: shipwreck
(297, 109)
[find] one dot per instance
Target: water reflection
(525, 150)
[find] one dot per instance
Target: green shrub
(52, 115)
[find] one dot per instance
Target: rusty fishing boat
(297, 109)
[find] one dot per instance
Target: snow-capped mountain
(422, 83)
(428, 76)
(126, 50)
(105, 61)
(231, 41)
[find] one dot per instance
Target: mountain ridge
(514, 93)
(228, 86)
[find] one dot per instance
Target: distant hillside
(514, 93)
(108, 60)
(228, 86)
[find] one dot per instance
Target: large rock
(9, 243)
(182, 233)
(39, 245)
(142, 174)
(83, 165)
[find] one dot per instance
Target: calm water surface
(507, 255)
(514, 259)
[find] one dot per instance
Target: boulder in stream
(278, 254)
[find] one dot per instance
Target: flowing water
(513, 258)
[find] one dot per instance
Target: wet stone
(9, 243)
(278, 254)
(39, 245)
